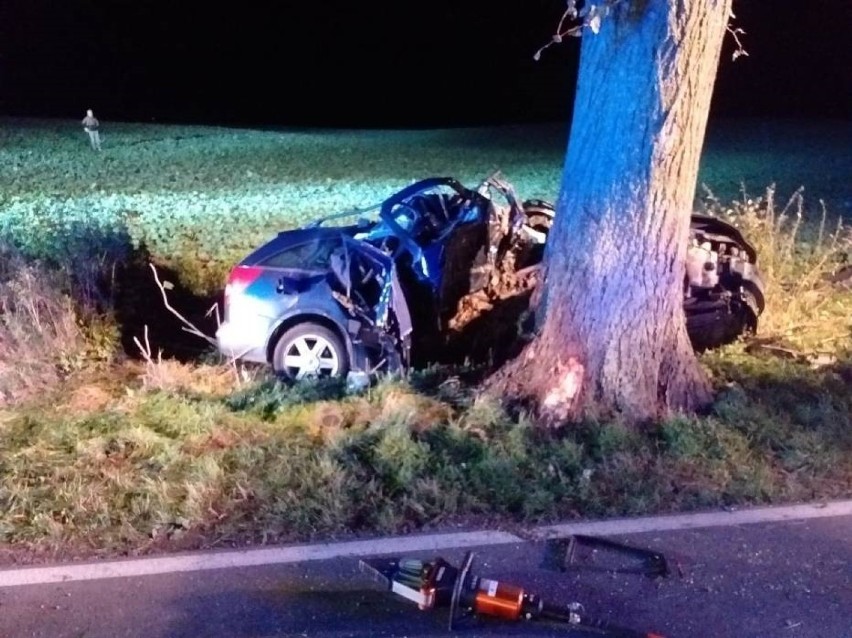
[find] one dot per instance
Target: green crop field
(208, 195)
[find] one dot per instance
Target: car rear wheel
(310, 351)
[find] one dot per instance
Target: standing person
(91, 125)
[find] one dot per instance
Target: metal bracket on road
(602, 554)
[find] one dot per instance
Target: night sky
(372, 63)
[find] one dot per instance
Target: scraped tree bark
(611, 329)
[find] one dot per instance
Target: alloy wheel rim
(310, 356)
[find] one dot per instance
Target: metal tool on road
(594, 553)
(438, 584)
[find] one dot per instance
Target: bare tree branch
(188, 326)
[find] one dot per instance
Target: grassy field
(102, 453)
(202, 197)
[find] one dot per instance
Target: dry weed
(420, 412)
(327, 420)
(87, 398)
(796, 258)
(40, 332)
(170, 375)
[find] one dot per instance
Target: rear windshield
(311, 255)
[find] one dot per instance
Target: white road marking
(406, 544)
(697, 520)
(248, 558)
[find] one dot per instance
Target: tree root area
(492, 325)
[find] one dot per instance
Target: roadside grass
(102, 454)
(49, 328)
(144, 469)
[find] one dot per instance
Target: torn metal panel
(372, 294)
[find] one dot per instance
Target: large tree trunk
(612, 335)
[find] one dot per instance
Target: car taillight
(241, 277)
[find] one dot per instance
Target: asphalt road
(790, 579)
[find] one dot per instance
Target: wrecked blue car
(326, 300)
(414, 282)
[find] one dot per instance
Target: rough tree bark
(611, 330)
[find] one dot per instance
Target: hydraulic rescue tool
(438, 584)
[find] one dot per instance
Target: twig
(214, 310)
(190, 328)
(146, 349)
(821, 234)
(736, 32)
(590, 15)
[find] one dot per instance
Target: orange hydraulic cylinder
(497, 599)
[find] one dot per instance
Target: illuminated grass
(201, 197)
(268, 464)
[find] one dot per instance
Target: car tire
(308, 351)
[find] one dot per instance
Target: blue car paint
(303, 294)
(308, 293)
